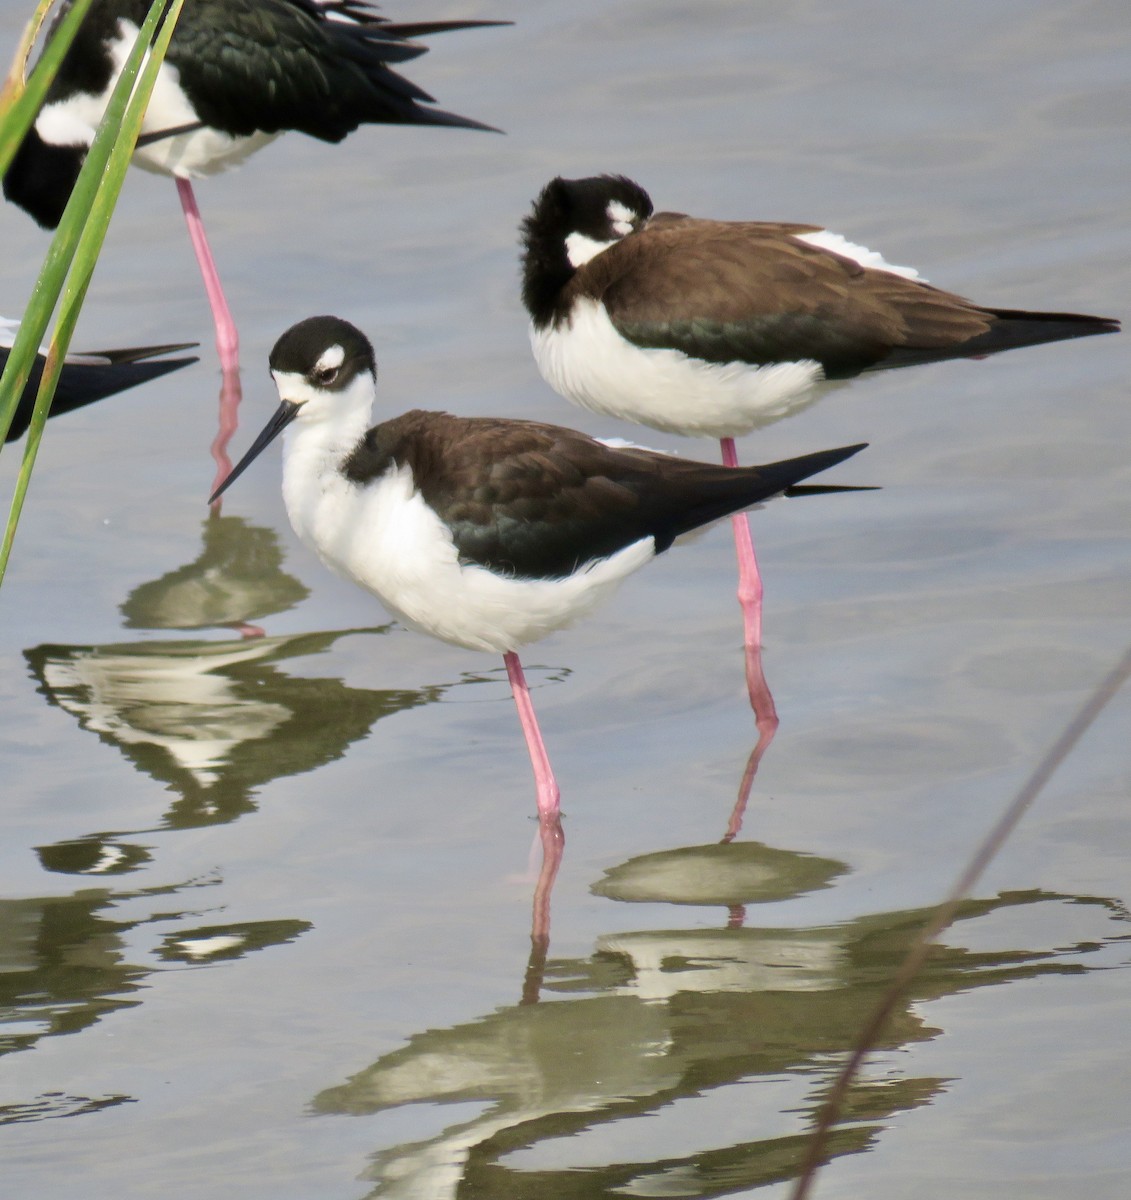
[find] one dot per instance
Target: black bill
(284, 415)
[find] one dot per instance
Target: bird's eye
(327, 375)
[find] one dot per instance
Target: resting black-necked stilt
(88, 375)
(714, 328)
(238, 74)
(484, 532)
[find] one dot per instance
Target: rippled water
(266, 903)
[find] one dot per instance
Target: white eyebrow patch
(621, 217)
(331, 359)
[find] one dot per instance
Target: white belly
(72, 122)
(384, 537)
(588, 362)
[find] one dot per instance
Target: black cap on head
(299, 350)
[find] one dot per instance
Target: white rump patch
(335, 14)
(587, 361)
(825, 239)
(619, 443)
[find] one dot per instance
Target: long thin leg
(553, 844)
(231, 392)
(734, 825)
(544, 782)
(227, 339)
(750, 598)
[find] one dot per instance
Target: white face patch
(621, 217)
(580, 249)
(331, 360)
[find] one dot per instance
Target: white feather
(825, 239)
(72, 122)
(588, 362)
(580, 248)
(383, 536)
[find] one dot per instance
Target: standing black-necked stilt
(714, 328)
(484, 532)
(88, 375)
(238, 74)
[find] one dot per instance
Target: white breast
(383, 536)
(588, 362)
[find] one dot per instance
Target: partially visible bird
(238, 74)
(483, 532)
(88, 375)
(715, 328)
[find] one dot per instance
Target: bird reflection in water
(212, 721)
(653, 1022)
(237, 578)
(215, 722)
(738, 813)
(231, 393)
(68, 962)
(745, 872)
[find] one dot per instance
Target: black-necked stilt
(714, 328)
(484, 532)
(238, 74)
(88, 375)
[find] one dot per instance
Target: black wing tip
(821, 460)
(137, 354)
(410, 29)
(449, 120)
(828, 489)
(787, 473)
(1087, 320)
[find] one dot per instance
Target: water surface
(266, 902)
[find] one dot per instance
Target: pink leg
(245, 630)
(227, 339)
(544, 782)
(750, 598)
(553, 846)
(230, 394)
(765, 737)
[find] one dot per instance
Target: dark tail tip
(827, 489)
(779, 477)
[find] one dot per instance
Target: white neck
(328, 426)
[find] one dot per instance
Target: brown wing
(537, 501)
(753, 292)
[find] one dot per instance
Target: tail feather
(406, 29)
(827, 489)
(1012, 329)
(726, 490)
(137, 354)
(81, 384)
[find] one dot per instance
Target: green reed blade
(22, 98)
(78, 241)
